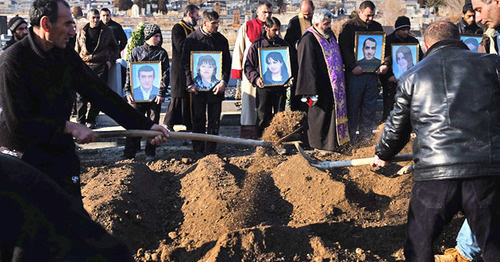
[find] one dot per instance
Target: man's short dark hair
(190, 9)
(41, 8)
(145, 68)
(366, 4)
(105, 10)
(210, 15)
(441, 30)
(371, 40)
(271, 21)
(467, 7)
(266, 3)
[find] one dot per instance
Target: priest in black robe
(320, 81)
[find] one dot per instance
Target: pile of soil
(237, 205)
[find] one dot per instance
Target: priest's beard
(328, 33)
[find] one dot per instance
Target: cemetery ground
(243, 204)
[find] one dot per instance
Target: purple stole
(334, 64)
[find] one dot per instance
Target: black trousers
(133, 144)
(206, 103)
(434, 203)
(388, 93)
(269, 101)
(178, 112)
(102, 72)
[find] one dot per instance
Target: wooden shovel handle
(182, 135)
(358, 162)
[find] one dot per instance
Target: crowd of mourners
(449, 97)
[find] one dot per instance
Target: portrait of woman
(403, 58)
(277, 72)
(206, 73)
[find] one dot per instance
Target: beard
(193, 21)
(19, 36)
(328, 33)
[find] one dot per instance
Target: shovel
(324, 165)
(183, 135)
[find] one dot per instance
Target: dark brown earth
(238, 205)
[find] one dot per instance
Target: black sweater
(36, 90)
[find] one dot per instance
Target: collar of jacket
(101, 26)
(54, 52)
(445, 44)
(361, 22)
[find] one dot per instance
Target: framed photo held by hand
(274, 65)
(145, 80)
(369, 50)
(206, 69)
(472, 41)
(404, 56)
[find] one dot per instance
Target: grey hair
(321, 15)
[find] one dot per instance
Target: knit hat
(150, 30)
(16, 21)
(402, 22)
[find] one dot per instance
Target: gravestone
(3, 25)
(135, 11)
(236, 18)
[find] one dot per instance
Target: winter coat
(456, 120)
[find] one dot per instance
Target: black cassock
(313, 79)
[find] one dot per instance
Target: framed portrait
(206, 69)
(472, 41)
(145, 80)
(404, 56)
(274, 65)
(369, 50)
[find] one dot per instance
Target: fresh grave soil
(242, 205)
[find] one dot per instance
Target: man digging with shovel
(457, 148)
(38, 78)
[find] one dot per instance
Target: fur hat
(16, 21)
(150, 30)
(402, 22)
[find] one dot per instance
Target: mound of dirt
(284, 124)
(126, 193)
(253, 207)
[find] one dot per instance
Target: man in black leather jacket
(451, 99)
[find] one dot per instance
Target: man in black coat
(45, 223)
(207, 101)
(362, 87)
(467, 24)
(401, 35)
(296, 28)
(270, 99)
(457, 148)
(116, 28)
(38, 78)
(179, 108)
